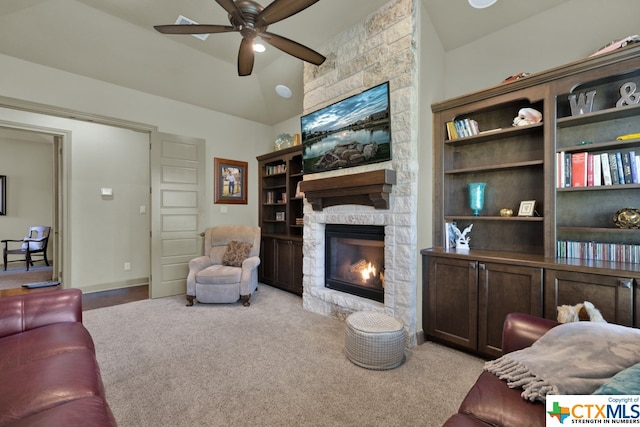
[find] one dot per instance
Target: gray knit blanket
(572, 358)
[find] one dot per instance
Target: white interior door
(178, 174)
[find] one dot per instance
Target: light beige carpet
(270, 364)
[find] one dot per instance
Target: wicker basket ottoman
(374, 340)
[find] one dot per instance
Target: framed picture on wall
(3, 194)
(229, 181)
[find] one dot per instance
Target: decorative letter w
(582, 105)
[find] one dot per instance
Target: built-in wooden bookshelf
(519, 263)
(280, 217)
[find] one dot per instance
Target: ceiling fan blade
(245, 57)
(193, 29)
(281, 9)
(232, 9)
(293, 48)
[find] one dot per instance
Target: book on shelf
(560, 169)
(613, 167)
(590, 170)
(626, 166)
(449, 235)
(606, 170)
(634, 167)
(620, 167)
(567, 170)
(597, 170)
(579, 169)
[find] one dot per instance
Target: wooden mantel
(366, 188)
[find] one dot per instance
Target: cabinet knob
(472, 265)
(482, 266)
(625, 283)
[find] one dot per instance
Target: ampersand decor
(628, 95)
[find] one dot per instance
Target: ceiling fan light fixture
(283, 91)
(481, 4)
(259, 47)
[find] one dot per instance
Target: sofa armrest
(520, 330)
(20, 313)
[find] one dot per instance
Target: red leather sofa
(490, 402)
(49, 375)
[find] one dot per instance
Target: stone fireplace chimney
(381, 48)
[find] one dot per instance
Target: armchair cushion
(219, 275)
(236, 253)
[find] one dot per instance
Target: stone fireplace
(381, 48)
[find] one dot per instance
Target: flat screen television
(352, 132)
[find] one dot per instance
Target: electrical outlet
(127, 266)
(224, 209)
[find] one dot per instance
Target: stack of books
(615, 252)
(584, 169)
(299, 221)
(276, 169)
(462, 128)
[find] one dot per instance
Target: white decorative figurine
(462, 240)
(527, 116)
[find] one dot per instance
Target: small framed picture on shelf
(527, 208)
(279, 216)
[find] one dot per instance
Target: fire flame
(368, 271)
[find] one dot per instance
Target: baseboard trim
(114, 285)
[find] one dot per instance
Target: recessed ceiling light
(259, 47)
(481, 4)
(283, 91)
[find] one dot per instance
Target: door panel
(505, 289)
(452, 301)
(178, 174)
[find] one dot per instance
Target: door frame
(60, 139)
(62, 249)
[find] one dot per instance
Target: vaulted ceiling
(114, 41)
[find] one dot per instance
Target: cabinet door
(504, 289)
(451, 300)
(267, 269)
(285, 260)
(612, 295)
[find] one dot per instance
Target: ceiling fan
(251, 20)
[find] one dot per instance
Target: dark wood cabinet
(451, 301)
(612, 295)
(467, 299)
(280, 218)
(504, 289)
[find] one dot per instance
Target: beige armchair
(228, 270)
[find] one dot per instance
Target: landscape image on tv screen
(352, 132)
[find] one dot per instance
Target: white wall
(569, 32)
(226, 137)
(431, 59)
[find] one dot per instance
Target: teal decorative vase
(476, 196)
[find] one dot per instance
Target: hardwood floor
(96, 299)
(114, 297)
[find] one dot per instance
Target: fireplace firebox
(354, 260)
